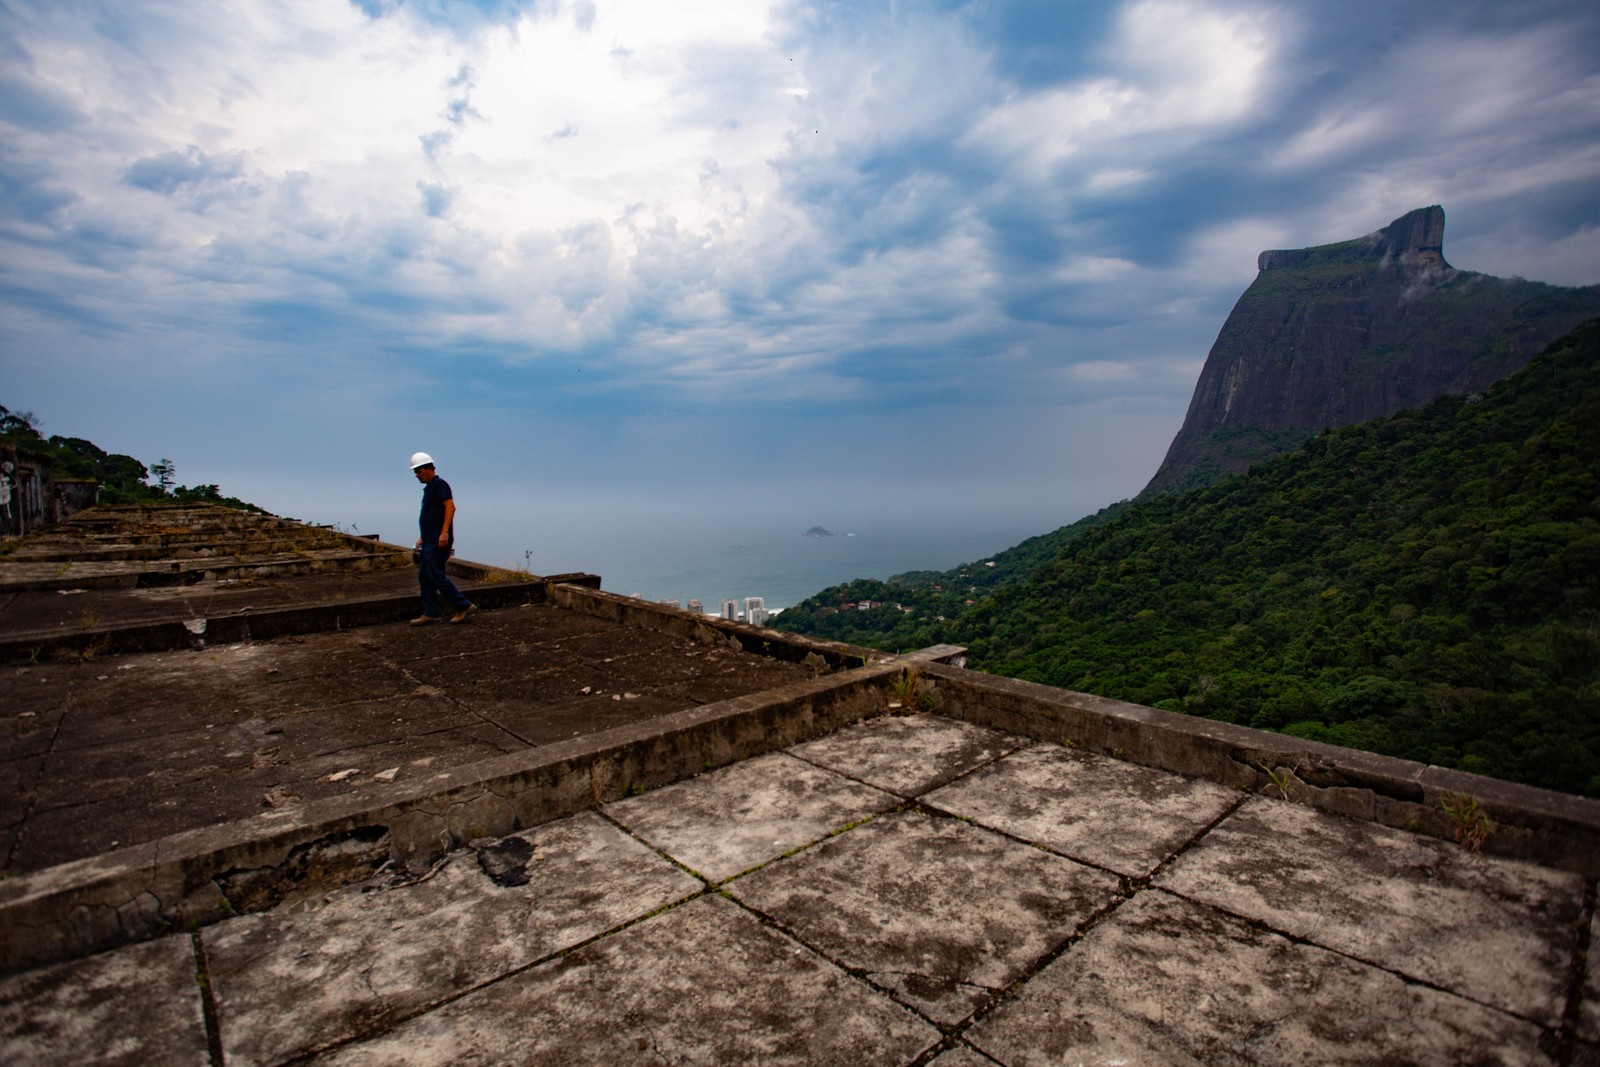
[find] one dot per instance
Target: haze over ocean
(745, 558)
(711, 548)
(731, 541)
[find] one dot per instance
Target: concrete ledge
(246, 625)
(1553, 829)
(185, 879)
(710, 629)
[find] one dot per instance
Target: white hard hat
(420, 459)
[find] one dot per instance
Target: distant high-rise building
(730, 610)
(668, 603)
(696, 607)
(755, 611)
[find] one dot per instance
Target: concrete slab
(137, 1006)
(540, 723)
(36, 687)
(1415, 905)
(290, 984)
(69, 831)
(31, 717)
(1099, 810)
(1588, 1028)
(1168, 981)
(908, 754)
(704, 983)
(942, 913)
(713, 687)
(90, 799)
(43, 611)
(120, 750)
(740, 817)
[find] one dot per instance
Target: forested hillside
(1425, 586)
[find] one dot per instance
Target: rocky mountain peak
(1415, 239)
(1343, 333)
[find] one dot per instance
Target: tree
(164, 472)
(18, 424)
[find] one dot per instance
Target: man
(433, 547)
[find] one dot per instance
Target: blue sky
(631, 258)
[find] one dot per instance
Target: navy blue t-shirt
(434, 494)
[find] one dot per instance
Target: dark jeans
(432, 578)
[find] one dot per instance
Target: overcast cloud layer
(824, 254)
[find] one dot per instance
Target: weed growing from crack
(1472, 826)
(908, 694)
(1283, 778)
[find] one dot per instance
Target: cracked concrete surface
(780, 912)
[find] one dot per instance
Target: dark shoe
(464, 613)
(425, 620)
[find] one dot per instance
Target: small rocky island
(818, 531)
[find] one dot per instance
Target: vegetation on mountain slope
(1425, 586)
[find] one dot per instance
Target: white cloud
(1174, 68)
(1094, 269)
(1196, 63)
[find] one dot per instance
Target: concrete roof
(581, 828)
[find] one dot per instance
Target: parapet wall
(1552, 829)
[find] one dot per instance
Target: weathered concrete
(165, 544)
(100, 622)
(1419, 907)
(359, 962)
(1113, 814)
(937, 911)
(1168, 981)
(908, 754)
(735, 821)
(706, 983)
(137, 1006)
(1276, 934)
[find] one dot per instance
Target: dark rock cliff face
(1344, 333)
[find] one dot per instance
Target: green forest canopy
(1424, 586)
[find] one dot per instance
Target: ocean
(712, 557)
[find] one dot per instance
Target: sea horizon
(707, 544)
(783, 566)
